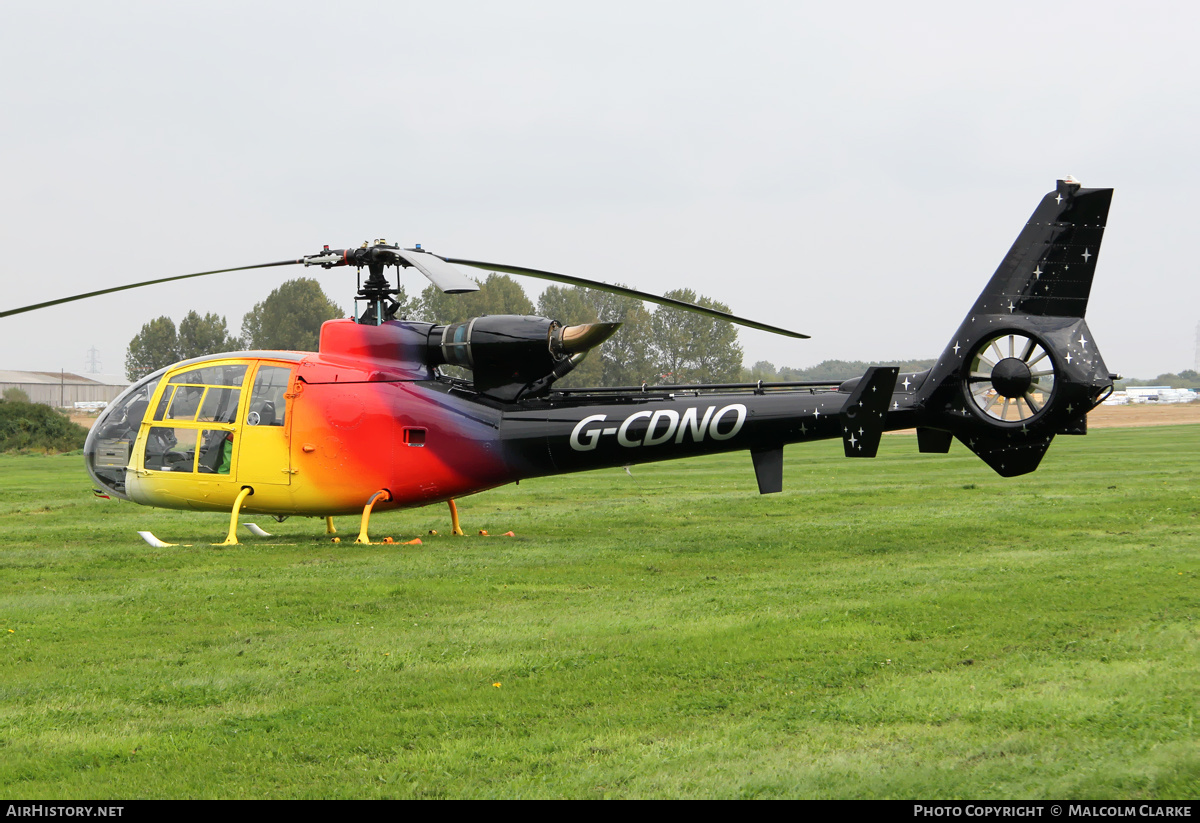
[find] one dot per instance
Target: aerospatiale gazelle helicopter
(370, 422)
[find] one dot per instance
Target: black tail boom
(1021, 368)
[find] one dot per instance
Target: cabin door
(264, 455)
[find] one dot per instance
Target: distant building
(1151, 394)
(62, 389)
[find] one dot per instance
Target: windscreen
(110, 442)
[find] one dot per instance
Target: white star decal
(1068, 358)
(817, 414)
(956, 347)
(1087, 255)
(852, 440)
(1037, 273)
(895, 405)
(803, 429)
(1083, 341)
(1058, 199)
(905, 384)
(1011, 307)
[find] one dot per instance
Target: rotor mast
(376, 292)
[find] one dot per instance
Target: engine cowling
(512, 356)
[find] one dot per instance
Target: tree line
(289, 319)
(659, 345)
(1185, 379)
(665, 345)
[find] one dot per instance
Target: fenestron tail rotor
(1012, 378)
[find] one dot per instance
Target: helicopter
(370, 422)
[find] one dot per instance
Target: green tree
(692, 348)
(199, 336)
(498, 294)
(570, 307)
(763, 370)
(624, 359)
(408, 308)
(629, 354)
(290, 318)
(13, 394)
(154, 347)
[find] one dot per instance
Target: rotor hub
(1012, 377)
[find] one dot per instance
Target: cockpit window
(184, 403)
(208, 394)
(192, 430)
(230, 375)
(220, 405)
(171, 449)
(268, 401)
(110, 442)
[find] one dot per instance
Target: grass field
(911, 626)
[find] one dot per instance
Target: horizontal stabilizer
(864, 414)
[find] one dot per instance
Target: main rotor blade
(639, 295)
(58, 300)
(440, 273)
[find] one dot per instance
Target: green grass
(910, 626)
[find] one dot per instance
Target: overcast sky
(852, 171)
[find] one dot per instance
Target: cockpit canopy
(110, 442)
(193, 402)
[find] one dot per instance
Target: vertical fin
(1023, 366)
(1049, 268)
(864, 414)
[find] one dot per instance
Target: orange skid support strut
(455, 528)
(366, 518)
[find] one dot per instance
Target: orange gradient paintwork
(356, 422)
